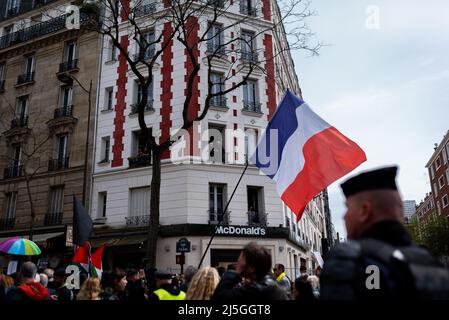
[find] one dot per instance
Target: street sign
(183, 245)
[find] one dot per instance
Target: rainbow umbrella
(20, 246)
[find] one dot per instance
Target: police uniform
(385, 251)
(166, 291)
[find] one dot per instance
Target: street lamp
(68, 79)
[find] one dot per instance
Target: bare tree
(191, 24)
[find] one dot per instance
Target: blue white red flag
(303, 153)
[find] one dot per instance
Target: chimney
(435, 146)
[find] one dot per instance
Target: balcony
(25, 78)
(252, 106)
(247, 10)
(2, 86)
(216, 3)
(215, 217)
(145, 9)
(67, 66)
(148, 107)
(66, 111)
(58, 164)
(7, 223)
(13, 172)
(24, 7)
(218, 102)
(257, 219)
(249, 56)
(37, 30)
(21, 122)
(137, 221)
(144, 55)
(142, 160)
(216, 48)
(54, 218)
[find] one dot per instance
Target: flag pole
(225, 211)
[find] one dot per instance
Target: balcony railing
(21, 122)
(257, 219)
(37, 30)
(218, 102)
(144, 55)
(145, 9)
(66, 111)
(7, 223)
(25, 78)
(24, 6)
(216, 3)
(138, 221)
(54, 218)
(143, 160)
(250, 56)
(2, 85)
(148, 107)
(58, 164)
(68, 65)
(215, 217)
(13, 172)
(216, 48)
(252, 106)
(247, 10)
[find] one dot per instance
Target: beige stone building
(43, 120)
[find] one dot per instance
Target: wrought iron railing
(215, 217)
(218, 102)
(137, 220)
(247, 10)
(68, 65)
(23, 7)
(143, 160)
(252, 106)
(58, 164)
(144, 55)
(21, 122)
(66, 111)
(249, 56)
(7, 223)
(148, 107)
(54, 218)
(25, 78)
(216, 48)
(145, 9)
(257, 219)
(13, 172)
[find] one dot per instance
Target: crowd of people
(251, 278)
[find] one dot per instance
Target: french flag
(303, 153)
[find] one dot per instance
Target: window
(139, 147)
(70, 51)
(438, 162)
(441, 182)
(11, 202)
(29, 65)
(447, 175)
(445, 201)
(255, 204)
(217, 151)
(215, 39)
(22, 111)
(56, 206)
(435, 189)
(7, 30)
(444, 156)
(105, 149)
(2, 71)
(61, 160)
(13, 7)
(146, 46)
(17, 155)
(432, 172)
(138, 97)
(102, 204)
(438, 207)
(109, 98)
(66, 97)
(216, 201)
(250, 142)
(217, 86)
(287, 222)
(140, 202)
(248, 46)
(247, 7)
(112, 51)
(250, 96)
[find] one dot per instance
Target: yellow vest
(280, 277)
(165, 295)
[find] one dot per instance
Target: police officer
(165, 289)
(380, 262)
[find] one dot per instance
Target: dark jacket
(403, 270)
(28, 292)
(263, 290)
(135, 290)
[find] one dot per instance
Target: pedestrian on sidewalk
(28, 289)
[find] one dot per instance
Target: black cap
(163, 275)
(380, 179)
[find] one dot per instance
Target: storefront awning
(114, 242)
(38, 238)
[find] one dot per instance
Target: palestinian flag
(81, 258)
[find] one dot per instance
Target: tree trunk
(33, 213)
(153, 227)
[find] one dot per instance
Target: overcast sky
(387, 88)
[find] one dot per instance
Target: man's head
(254, 262)
(59, 277)
(50, 273)
(189, 273)
(303, 269)
(162, 278)
(27, 272)
(278, 269)
(371, 197)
